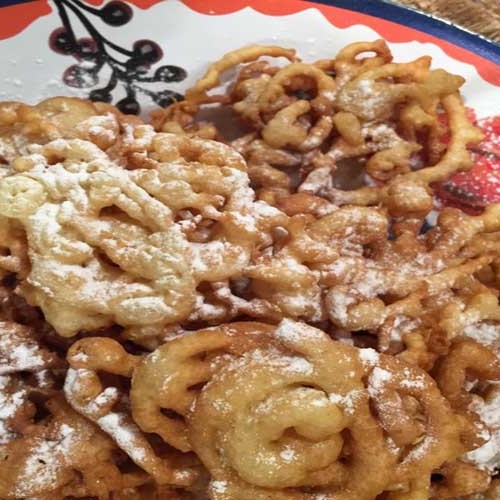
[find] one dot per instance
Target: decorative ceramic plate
(140, 54)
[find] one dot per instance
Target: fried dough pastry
(318, 119)
(253, 298)
(107, 245)
(46, 449)
(13, 249)
(26, 377)
(22, 125)
(64, 455)
(16, 398)
(469, 360)
(492, 493)
(343, 267)
(86, 394)
(459, 479)
(20, 350)
(271, 411)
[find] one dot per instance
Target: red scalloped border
(342, 18)
(15, 18)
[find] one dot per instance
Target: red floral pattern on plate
(473, 190)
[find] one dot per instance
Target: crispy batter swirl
(107, 245)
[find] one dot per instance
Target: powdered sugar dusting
(369, 357)
(377, 381)
(487, 457)
(80, 356)
(400, 326)
(124, 433)
(117, 425)
(44, 461)
(412, 380)
(274, 359)
(18, 353)
(348, 401)
(420, 451)
(339, 301)
(485, 333)
(218, 486)
(100, 125)
(393, 448)
(296, 332)
(10, 403)
(287, 455)
(95, 407)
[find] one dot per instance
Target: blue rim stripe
(421, 21)
(405, 16)
(6, 3)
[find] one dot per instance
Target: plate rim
(430, 24)
(6, 3)
(403, 15)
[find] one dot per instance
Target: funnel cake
(48, 451)
(253, 298)
(55, 118)
(62, 456)
(26, 375)
(277, 410)
(107, 245)
(342, 266)
(387, 118)
(101, 405)
(13, 248)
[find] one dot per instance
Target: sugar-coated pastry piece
(296, 194)
(273, 410)
(86, 394)
(357, 105)
(62, 455)
(22, 125)
(109, 245)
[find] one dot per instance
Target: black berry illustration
(130, 68)
(146, 51)
(101, 95)
(61, 41)
(170, 74)
(76, 76)
(86, 49)
(116, 13)
(128, 105)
